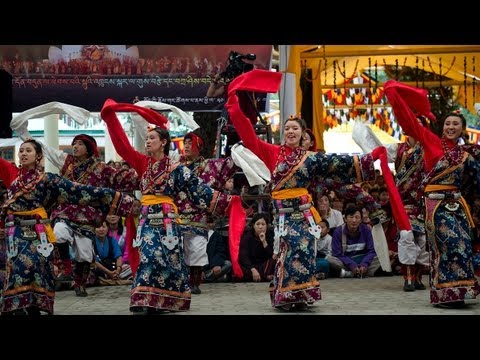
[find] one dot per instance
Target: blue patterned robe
(29, 275)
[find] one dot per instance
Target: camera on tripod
(237, 65)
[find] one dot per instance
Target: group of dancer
(178, 198)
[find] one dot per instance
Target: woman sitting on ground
(256, 250)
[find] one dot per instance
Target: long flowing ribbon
(142, 123)
(111, 106)
(398, 210)
(20, 122)
(237, 217)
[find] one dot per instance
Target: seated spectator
(337, 204)
(256, 250)
(353, 253)
(324, 250)
(219, 265)
(229, 185)
(116, 230)
(334, 217)
(374, 191)
(366, 218)
(108, 267)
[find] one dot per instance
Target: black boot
(409, 276)
(418, 278)
(195, 279)
(82, 270)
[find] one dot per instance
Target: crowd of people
(85, 226)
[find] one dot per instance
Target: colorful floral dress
(293, 172)
(194, 221)
(29, 271)
(83, 218)
(161, 280)
(452, 177)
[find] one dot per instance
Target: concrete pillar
(288, 101)
(110, 153)
(138, 140)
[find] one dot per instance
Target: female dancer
(29, 284)
(452, 174)
(294, 170)
(161, 281)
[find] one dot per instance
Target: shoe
(33, 311)
(286, 307)
(451, 305)
(138, 310)
(18, 312)
(80, 291)
(408, 287)
(345, 274)
(154, 311)
(64, 278)
(419, 286)
(320, 276)
(196, 290)
(301, 306)
(208, 275)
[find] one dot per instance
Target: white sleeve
(55, 156)
(364, 137)
(20, 125)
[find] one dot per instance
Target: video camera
(236, 65)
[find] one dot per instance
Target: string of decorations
(474, 79)
(334, 82)
(370, 82)
(423, 73)
(344, 82)
(440, 68)
(325, 59)
(376, 77)
(446, 72)
(344, 75)
(416, 70)
(305, 72)
(396, 69)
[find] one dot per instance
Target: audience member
(353, 253)
(256, 250)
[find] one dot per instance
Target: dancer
(74, 223)
(451, 172)
(161, 281)
(29, 284)
(409, 166)
(193, 221)
(293, 171)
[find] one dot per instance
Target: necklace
(284, 163)
(27, 181)
(76, 168)
(150, 178)
(196, 165)
(453, 154)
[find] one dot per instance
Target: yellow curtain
(295, 67)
